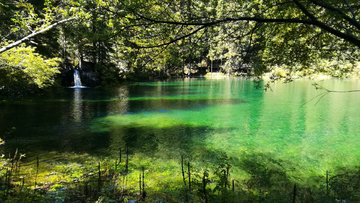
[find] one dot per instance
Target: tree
(24, 69)
(304, 31)
(21, 68)
(163, 35)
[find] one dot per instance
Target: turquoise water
(207, 121)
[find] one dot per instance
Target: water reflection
(77, 111)
(121, 104)
(87, 104)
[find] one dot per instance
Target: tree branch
(208, 24)
(327, 91)
(225, 20)
(174, 40)
(313, 21)
(325, 5)
(351, 10)
(320, 87)
(316, 22)
(17, 43)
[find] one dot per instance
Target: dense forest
(111, 40)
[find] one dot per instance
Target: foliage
(21, 67)
(251, 35)
(171, 38)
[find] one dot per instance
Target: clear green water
(201, 119)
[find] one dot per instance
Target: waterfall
(77, 80)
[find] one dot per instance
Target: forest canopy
(133, 39)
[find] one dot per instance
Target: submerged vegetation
(133, 178)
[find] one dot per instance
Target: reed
(37, 170)
(189, 176)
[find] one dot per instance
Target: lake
(209, 122)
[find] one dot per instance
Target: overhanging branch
(320, 87)
(174, 40)
(204, 25)
(17, 43)
(329, 7)
(226, 20)
(316, 22)
(312, 21)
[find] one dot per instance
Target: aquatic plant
(129, 177)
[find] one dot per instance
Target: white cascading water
(77, 80)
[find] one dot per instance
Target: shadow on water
(178, 104)
(66, 124)
(166, 142)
